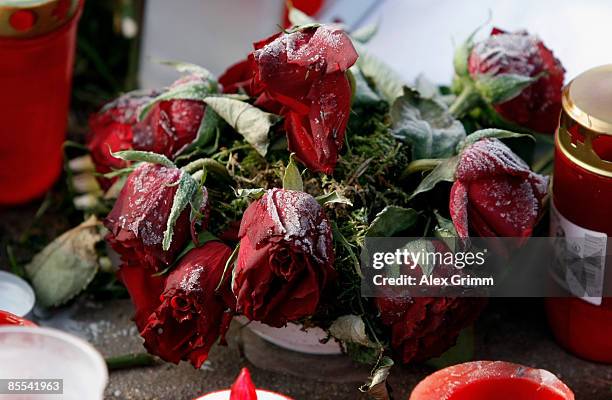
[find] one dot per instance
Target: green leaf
(228, 263)
(187, 91)
(66, 266)
(488, 134)
(249, 121)
(462, 54)
(500, 88)
(364, 95)
(376, 387)
(425, 246)
(443, 172)
(333, 197)
(298, 17)
(189, 68)
(386, 81)
(187, 186)
(208, 134)
(252, 194)
(293, 179)
(462, 351)
(365, 33)
(392, 220)
(445, 227)
(119, 172)
(426, 125)
(351, 328)
(143, 156)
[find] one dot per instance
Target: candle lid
(30, 18)
(585, 130)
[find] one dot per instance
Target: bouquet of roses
(252, 194)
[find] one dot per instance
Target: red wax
(491, 380)
(35, 77)
(582, 197)
(6, 318)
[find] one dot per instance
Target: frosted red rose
(111, 129)
(285, 259)
(167, 129)
(425, 327)
(301, 75)
(538, 105)
(171, 124)
(193, 314)
(495, 193)
(139, 218)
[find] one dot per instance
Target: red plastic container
(37, 45)
(582, 189)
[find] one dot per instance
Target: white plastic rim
(16, 295)
(292, 337)
(43, 353)
(261, 395)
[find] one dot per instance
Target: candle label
(580, 257)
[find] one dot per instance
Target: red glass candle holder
(37, 44)
(581, 215)
(486, 380)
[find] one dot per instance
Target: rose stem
(211, 165)
(425, 164)
(465, 101)
(130, 361)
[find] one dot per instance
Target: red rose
(243, 388)
(192, 314)
(111, 130)
(238, 77)
(171, 124)
(538, 105)
(495, 193)
(285, 259)
(301, 75)
(139, 217)
(145, 289)
(425, 327)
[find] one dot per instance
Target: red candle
(487, 380)
(6, 318)
(581, 216)
(37, 42)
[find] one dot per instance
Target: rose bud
(495, 194)
(425, 327)
(285, 259)
(243, 388)
(171, 124)
(111, 130)
(516, 74)
(193, 314)
(139, 217)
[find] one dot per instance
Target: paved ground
(512, 330)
